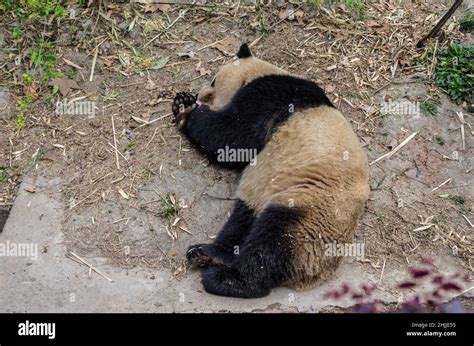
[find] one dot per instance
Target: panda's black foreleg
(227, 138)
(264, 260)
(226, 246)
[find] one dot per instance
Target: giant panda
(305, 188)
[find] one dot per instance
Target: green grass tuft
(430, 105)
(467, 23)
(356, 6)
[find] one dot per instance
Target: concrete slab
(43, 279)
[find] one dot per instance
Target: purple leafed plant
(434, 292)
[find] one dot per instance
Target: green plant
(23, 103)
(353, 94)
(467, 22)
(16, 33)
(33, 8)
(43, 56)
(112, 95)
(380, 183)
(460, 200)
(357, 6)
(6, 5)
(71, 74)
(3, 175)
(455, 70)
(439, 140)
(20, 121)
(169, 207)
(27, 78)
(169, 211)
(260, 20)
(430, 105)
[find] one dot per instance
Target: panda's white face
(233, 76)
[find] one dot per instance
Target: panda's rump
(315, 149)
(324, 176)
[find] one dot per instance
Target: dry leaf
(124, 195)
(343, 8)
(299, 17)
(161, 63)
(30, 189)
(139, 120)
(155, 101)
(373, 23)
(64, 84)
(150, 85)
(284, 14)
(189, 54)
(228, 46)
(330, 88)
(365, 140)
(203, 72)
(31, 90)
(70, 63)
(154, 7)
(146, 116)
(290, 14)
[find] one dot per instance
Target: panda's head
(233, 76)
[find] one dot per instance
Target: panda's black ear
(244, 52)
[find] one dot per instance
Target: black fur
(222, 251)
(264, 251)
(244, 52)
(263, 259)
(253, 115)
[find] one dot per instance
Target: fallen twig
(442, 184)
(391, 153)
(83, 261)
(441, 22)
(115, 144)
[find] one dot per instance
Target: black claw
(194, 252)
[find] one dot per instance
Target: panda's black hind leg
(226, 246)
(264, 260)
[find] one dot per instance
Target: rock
(3, 217)
(4, 98)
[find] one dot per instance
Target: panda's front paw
(182, 101)
(183, 105)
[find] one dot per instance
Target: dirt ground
(145, 206)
